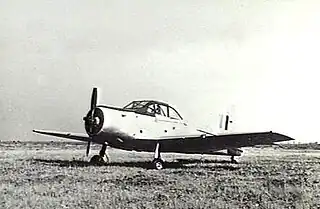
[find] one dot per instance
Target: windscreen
(136, 105)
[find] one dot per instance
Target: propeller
(90, 120)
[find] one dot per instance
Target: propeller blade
(94, 98)
(93, 105)
(88, 148)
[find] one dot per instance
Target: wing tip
(282, 137)
(38, 131)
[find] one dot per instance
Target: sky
(260, 57)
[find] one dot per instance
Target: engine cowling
(93, 121)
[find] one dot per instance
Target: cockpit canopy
(153, 108)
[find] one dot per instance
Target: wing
(250, 139)
(211, 144)
(74, 136)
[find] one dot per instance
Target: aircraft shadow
(203, 161)
(179, 163)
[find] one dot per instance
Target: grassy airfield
(57, 175)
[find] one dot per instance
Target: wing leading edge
(74, 136)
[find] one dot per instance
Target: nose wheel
(102, 158)
(97, 160)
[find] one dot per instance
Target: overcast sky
(201, 56)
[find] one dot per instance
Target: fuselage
(131, 125)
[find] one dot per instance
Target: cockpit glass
(173, 114)
(152, 108)
(135, 105)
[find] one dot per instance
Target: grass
(304, 146)
(57, 175)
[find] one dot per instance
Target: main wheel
(158, 164)
(97, 160)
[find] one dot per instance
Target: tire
(158, 164)
(97, 160)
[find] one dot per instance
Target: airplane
(154, 126)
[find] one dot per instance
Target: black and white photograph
(159, 104)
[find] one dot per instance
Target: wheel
(97, 159)
(158, 164)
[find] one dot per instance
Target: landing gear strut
(233, 160)
(157, 161)
(102, 158)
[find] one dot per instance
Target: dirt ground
(58, 175)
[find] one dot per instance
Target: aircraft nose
(94, 121)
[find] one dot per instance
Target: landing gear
(102, 158)
(233, 160)
(157, 162)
